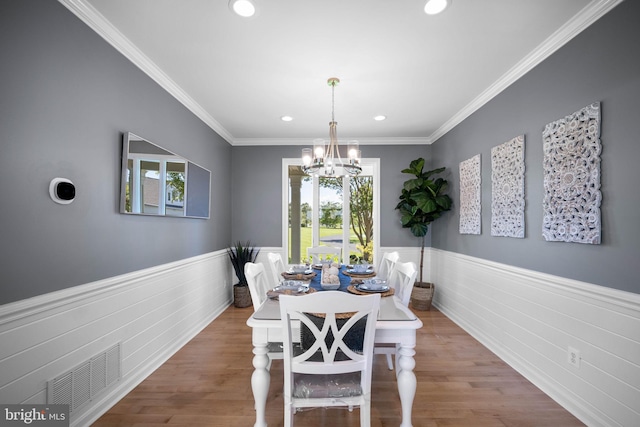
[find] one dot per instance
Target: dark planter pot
(241, 296)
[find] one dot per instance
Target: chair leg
(389, 362)
(365, 414)
(289, 411)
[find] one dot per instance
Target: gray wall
(66, 97)
(257, 183)
(601, 64)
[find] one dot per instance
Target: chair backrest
(317, 253)
(322, 313)
(402, 280)
(276, 266)
(387, 264)
(259, 283)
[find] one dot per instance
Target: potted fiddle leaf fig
(422, 201)
(239, 255)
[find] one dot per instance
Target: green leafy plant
(422, 201)
(240, 254)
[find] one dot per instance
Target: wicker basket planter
(241, 296)
(422, 295)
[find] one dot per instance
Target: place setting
(299, 272)
(371, 286)
(360, 271)
(290, 287)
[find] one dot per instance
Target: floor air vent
(81, 384)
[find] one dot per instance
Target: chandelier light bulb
(352, 150)
(306, 156)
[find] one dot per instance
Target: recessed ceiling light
(379, 118)
(286, 118)
(244, 8)
(433, 7)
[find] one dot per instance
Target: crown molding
(246, 142)
(587, 16)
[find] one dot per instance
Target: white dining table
(396, 325)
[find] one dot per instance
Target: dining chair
(387, 264)
(402, 279)
(329, 371)
(276, 266)
(259, 284)
(316, 253)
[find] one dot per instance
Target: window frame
(370, 166)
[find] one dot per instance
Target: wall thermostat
(62, 191)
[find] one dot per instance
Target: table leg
(406, 382)
(260, 380)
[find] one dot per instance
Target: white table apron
(267, 327)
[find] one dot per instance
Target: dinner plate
(305, 272)
(351, 271)
(372, 288)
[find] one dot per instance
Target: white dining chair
(276, 267)
(387, 264)
(259, 284)
(318, 253)
(401, 280)
(329, 372)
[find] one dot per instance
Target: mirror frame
(197, 181)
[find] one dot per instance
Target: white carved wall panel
(470, 204)
(507, 189)
(571, 163)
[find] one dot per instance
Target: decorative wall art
(470, 196)
(507, 189)
(571, 165)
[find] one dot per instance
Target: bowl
(375, 284)
(360, 268)
(299, 268)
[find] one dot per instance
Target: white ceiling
(425, 73)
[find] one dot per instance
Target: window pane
(361, 213)
(174, 201)
(330, 215)
(150, 186)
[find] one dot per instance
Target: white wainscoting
(152, 313)
(530, 319)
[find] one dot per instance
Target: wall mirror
(156, 181)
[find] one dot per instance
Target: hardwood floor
(460, 383)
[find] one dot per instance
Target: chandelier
(325, 159)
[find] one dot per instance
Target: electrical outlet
(573, 357)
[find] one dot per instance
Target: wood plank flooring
(460, 383)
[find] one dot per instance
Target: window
(340, 212)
